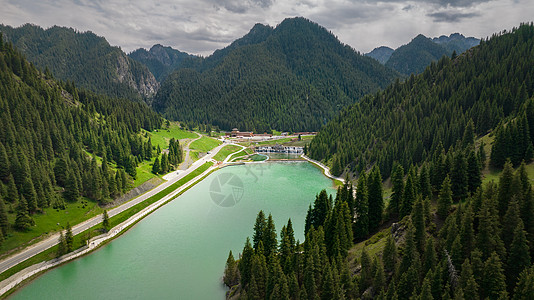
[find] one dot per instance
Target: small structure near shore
(279, 149)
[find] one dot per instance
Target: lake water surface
(180, 250)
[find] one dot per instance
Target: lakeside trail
(51, 241)
(326, 170)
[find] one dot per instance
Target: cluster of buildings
(235, 133)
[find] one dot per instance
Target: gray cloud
(451, 16)
(201, 26)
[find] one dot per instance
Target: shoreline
(10, 284)
(19, 279)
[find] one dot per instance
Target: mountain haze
(293, 77)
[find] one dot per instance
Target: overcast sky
(202, 26)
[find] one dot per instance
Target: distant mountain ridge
(382, 54)
(421, 51)
(84, 58)
(160, 60)
(293, 77)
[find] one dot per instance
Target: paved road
(51, 241)
(187, 159)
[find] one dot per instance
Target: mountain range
(294, 77)
(415, 56)
(84, 58)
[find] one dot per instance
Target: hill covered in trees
(382, 54)
(293, 77)
(412, 122)
(52, 134)
(84, 58)
(160, 60)
(450, 237)
(415, 56)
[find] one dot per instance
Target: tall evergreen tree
(418, 221)
(397, 180)
(23, 221)
(375, 199)
(459, 178)
(230, 271)
(156, 168)
(493, 280)
(105, 220)
(69, 238)
(408, 197)
(518, 257)
(473, 172)
(445, 199)
(505, 188)
(361, 226)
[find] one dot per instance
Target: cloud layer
(202, 26)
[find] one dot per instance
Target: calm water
(180, 250)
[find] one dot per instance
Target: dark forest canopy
(294, 77)
(51, 134)
(411, 122)
(84, 58)
(440, 249)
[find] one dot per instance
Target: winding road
(51, 241)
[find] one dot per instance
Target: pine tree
(467, 235)
(430, 257)
(424, 182)
(105, 220)
(459, 178)
(230, 271)
(156, 166)
(4, 163)
(366, 274)
(245, 263)
(525, 285)
(445, 199)
(4, 222)
(62, 245)
(12, 191)
(269, 237)
(408, 198)
(72, 191)
(426, 290)
(397, 179)
(259, 229)
(164, 164)
(505, 188)
(519, 256)
(418, 221)
(69, 238)
(389, 255)
(473, 172)
(23, 221)
(28, 191)
(361, 226)
(375, 199)
(493, 280)
(510, 222)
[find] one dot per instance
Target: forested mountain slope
(84, 58)
(442, 234)
(294, 77)
(415, 56)
(51, 132)
(408, 122)
(160, 60)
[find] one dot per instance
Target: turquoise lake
(180, 250)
